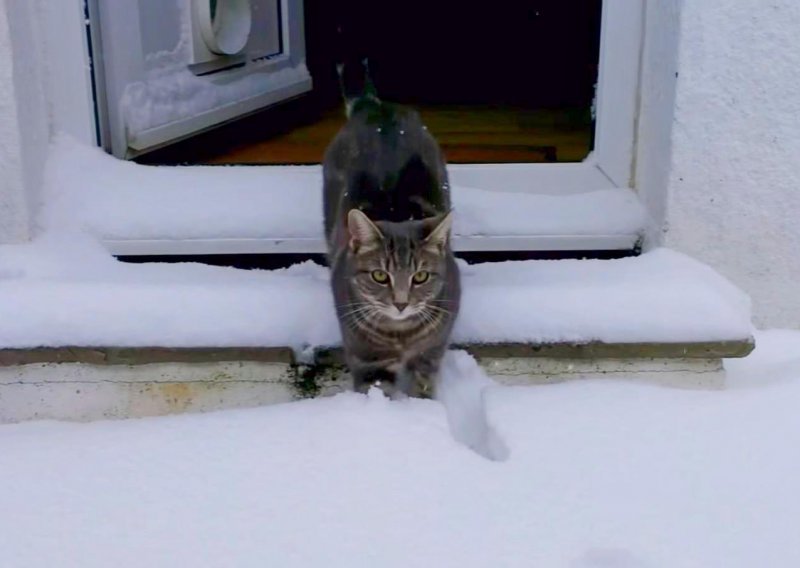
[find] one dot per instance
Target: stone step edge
(332, 355)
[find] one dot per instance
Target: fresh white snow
(169, 95)
(581, 474)
(597, 474)
(112, 199)
(65, 289)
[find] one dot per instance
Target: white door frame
(610, 166)
(282, 76)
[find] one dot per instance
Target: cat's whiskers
(439, 309)
(365, 312)
(355, 316)
(428, 318)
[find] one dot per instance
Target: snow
(65, 289)
(597, 474)
(112, 199)
(169, 95)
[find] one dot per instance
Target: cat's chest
(386, 343)
(394, 360)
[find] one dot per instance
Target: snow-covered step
(69, 292)
(86, 336)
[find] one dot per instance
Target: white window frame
(611, 162)
(610, 165)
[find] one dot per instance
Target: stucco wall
(24, 119)
(13, 207)
(734, 184)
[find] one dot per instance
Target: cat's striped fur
(387, 221)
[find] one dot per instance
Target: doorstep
(87, 337)
(81, 383)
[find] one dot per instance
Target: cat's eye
(380, 276)
(420, 277)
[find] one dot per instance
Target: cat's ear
(363, 232)
(439, 233)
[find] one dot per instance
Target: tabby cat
(387, 221)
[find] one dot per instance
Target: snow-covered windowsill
(66, 289)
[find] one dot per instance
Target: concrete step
(81, 383)
(159, 338)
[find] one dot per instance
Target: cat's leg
(368, 374)
(418, 379)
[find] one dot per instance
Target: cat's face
(398, 268)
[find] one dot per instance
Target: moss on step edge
(308, 379)
(110, 355)
(309, 375)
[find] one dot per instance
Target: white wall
(24, 129)
(13, 206)
(67, 77)
(734, 184)
(41, 90)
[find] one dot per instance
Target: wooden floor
(467, 134)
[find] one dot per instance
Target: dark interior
(529, 53)
(501, 81)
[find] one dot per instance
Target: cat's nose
(400, 306)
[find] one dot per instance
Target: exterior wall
(44, 86)
(734, 184)
(14, 206)
(33, 113)
(67, 77)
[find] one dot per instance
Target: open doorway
(499, 82)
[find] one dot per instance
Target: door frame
(117, 137)
(610, 165)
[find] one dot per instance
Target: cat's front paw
(422, 387)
